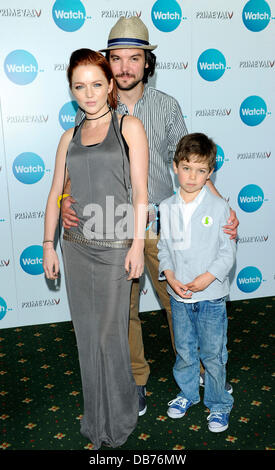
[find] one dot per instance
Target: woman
(100, 257)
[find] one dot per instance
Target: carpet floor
(41, 397)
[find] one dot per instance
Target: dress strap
(75, 130)
(121, 121)
(125, 158)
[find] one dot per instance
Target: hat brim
(127, 46)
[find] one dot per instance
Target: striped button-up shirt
(164, 125)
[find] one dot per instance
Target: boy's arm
(232, 222)
(164, 255)
(201, 282)
(166, 265)
(227, 251)
(222, 264)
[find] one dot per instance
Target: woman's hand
(68, 214)
(50, 262)
(134, 261)
(232, 225)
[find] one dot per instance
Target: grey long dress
(98, 290)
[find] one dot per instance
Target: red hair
(89, 57)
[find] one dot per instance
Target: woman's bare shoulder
(131, 123)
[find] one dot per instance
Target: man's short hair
(198, 146)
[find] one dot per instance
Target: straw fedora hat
(128, 33)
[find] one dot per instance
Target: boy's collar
(197, 200)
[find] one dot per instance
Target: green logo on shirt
(207, 221)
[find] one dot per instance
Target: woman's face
(90, 88)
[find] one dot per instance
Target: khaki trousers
(140, 366)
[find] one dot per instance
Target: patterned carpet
(41, 399)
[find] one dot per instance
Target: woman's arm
(50, 259)
(135, 136)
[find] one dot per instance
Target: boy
(195, 258)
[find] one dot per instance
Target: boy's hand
(177, 286)
(200, 282)
(68, 214)
(232, 226)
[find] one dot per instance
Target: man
(132, 61)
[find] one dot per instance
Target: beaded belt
(153, 222)
(78, 238)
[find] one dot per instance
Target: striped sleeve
(176, 128)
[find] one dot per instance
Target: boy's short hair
(196, 145)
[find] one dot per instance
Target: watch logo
(21, 67)
(69, 15)
(166, 15)
(256, 15)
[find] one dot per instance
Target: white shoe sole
(173, 415)
(218, 429)
(142, 412)
(176, 415)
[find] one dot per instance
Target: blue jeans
(200, 331)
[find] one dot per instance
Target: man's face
(128, 67)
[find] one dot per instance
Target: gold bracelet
(63, 196)
(46, 241)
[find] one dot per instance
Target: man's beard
(127, 87)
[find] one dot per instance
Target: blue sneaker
(178, 407)
(218, 422)
(142, 399)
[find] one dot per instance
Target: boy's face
(192, 176)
